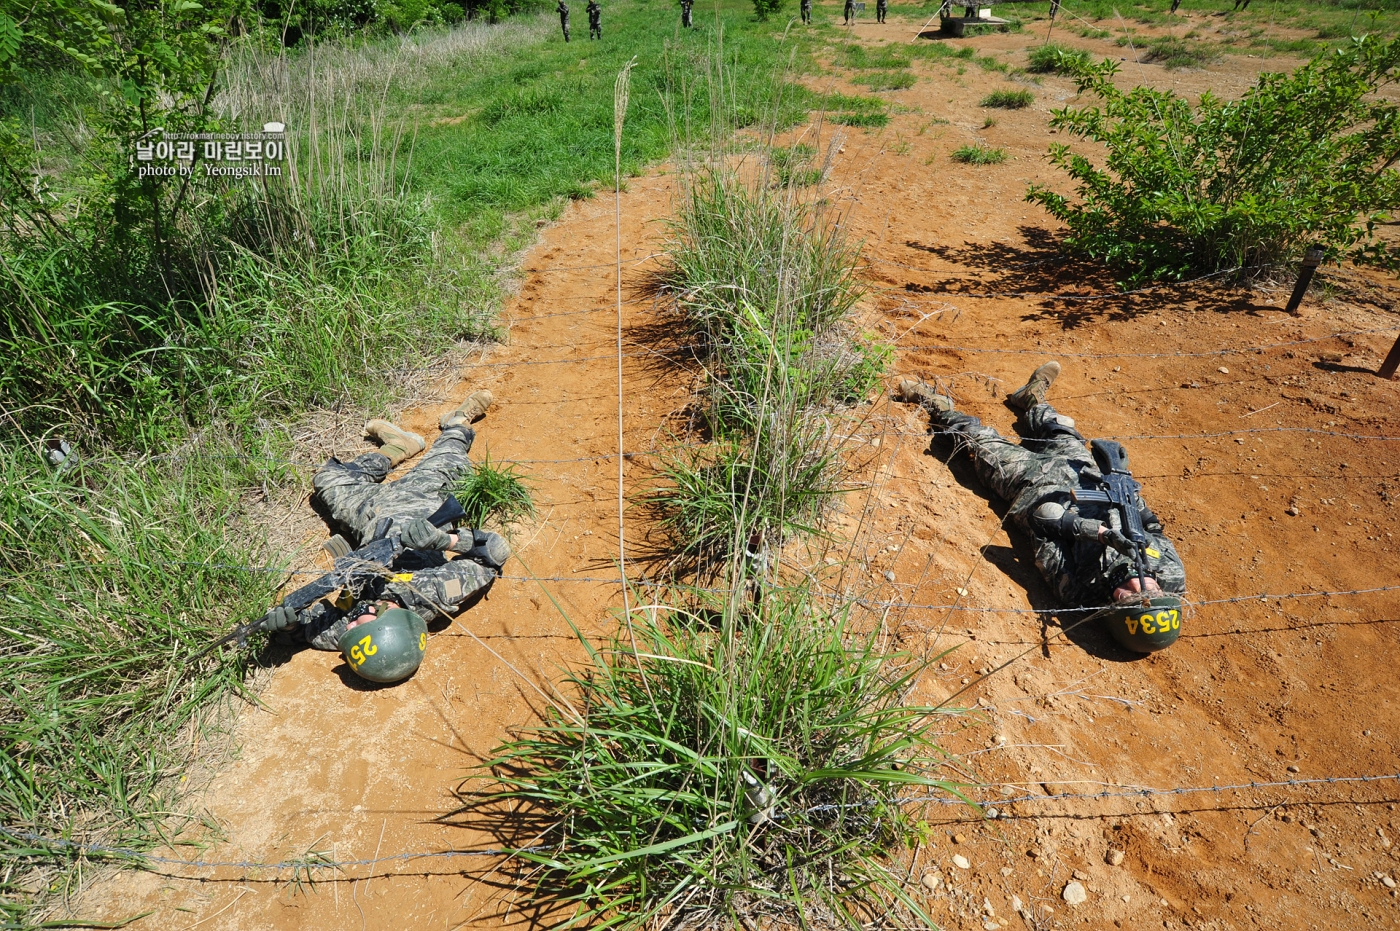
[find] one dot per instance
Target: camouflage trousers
(355, 497)
(1020, 475)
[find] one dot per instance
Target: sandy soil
(1197, 380)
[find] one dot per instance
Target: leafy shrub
(1175, 53)
(979, 154)
(737, 770)
(1302, 158)
(1053, 58)
(766, 8)
(885, 80)
(1008, 100)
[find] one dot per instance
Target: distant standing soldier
(807, 12)
(850, 11)
(685, 12)
(880, 7)
(595, 20)
(563, 9)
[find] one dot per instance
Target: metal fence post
(1311, 259)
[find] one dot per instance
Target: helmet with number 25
(387, 649)
(1146, 628)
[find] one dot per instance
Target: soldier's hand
(422, 535)
(279, 618)
(1115, 539)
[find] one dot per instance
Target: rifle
(352, 570)
(1121, 492)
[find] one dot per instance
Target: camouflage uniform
(881, 6)
(563, 10)
(806, 7)
(685, 12)
(595, 20)
(849, 12)
(1036, 479)
(351, 493)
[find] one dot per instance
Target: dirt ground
(1244, 426)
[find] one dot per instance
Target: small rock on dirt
(1114, 857)
(1388, 882)
(1292, 768)
(889, 575)
(1074, 893)
(1293, 510)
(962, 862)
(932, 881)
(960, 838)
(1223, 370)
(1015, 903)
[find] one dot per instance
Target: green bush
(1057, 59)
(492, 494)
(1008, 100)
(730, 768)
(1303, 158)
(766, 8)
(979, 154)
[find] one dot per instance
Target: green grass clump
(979, 154)
(882, 57)
(493, 494)
(1053, 58)
(112, 576)
(1008, 100)
(739, 766)
(867, 119)
(1173, 53)
(793, 166)
(885, 80)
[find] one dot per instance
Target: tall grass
(735, 769)
(111, 576)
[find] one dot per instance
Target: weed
(885, 80)
(1244, 184)
(988, 123)
(1175, 53)
(979, 154)
(1057, 59)
(492, 494)
(867, 120)
(1008, 100)
(740, 763)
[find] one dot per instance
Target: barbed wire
(308, 863)
(1149, 355)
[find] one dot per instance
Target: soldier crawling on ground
(563, 10)
(422, 579)
(595, 19)
(1081, 549)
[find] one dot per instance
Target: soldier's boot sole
(1033, 392)
(473, 408)
(395, 442)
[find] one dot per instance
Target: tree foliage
(1301, 159)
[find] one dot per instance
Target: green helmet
(388, 648)
(1146, 628)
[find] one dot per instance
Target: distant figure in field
(595, 20)
(849, 12)
(685, 13)
(563, 9)
(881, 6)
(807, 12)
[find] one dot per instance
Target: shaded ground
(1255, 691)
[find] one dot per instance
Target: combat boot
(484, 547)
(916, 392)
(473, 408)
(396, 443)
(1033, 391)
